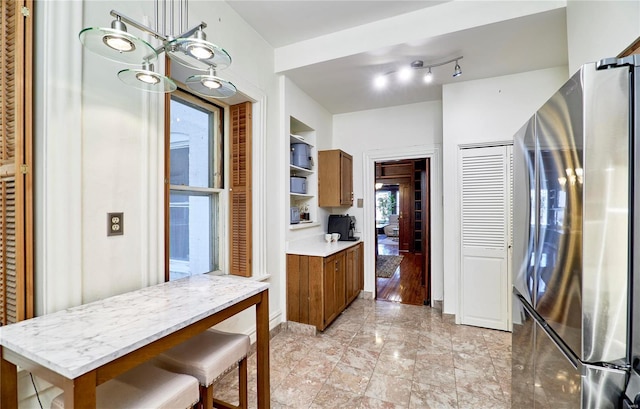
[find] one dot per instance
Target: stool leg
(242, 370)
(206, 396)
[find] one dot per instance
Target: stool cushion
(206, 356)
(145, 387)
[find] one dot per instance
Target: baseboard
(366, 295)
(299, 328)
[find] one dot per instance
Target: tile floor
(381, 354)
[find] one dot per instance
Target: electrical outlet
(115, 224)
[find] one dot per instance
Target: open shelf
(298, 171)
(298, 139)
(301, 133)
(302, 195)
(303, 225)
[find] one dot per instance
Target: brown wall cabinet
(335, 179)
(320, 288)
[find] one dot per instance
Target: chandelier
(190, 49)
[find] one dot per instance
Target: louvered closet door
(485, 215)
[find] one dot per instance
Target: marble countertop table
(84, 346)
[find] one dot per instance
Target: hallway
(405, 285)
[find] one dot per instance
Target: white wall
(99, 148)
(482, 111)
(386, 130)
(295, 103)
(600, 29)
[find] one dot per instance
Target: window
(386, 204)
(196, 163)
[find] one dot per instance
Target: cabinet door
(341, 281)
(329, 299)
(354, 271)
(359, 268)
(335, 178)
(346, 179)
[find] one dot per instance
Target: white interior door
(485, 296)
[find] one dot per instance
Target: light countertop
(316, 246)
(77, 340)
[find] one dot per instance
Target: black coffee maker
(343, 224)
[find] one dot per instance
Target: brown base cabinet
(320, 288)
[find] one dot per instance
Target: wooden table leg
(262, 351)
(80, 393)
(8, 384)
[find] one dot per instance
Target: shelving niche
(301, 133)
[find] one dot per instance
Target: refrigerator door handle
(564, 350)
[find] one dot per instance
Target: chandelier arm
(154, 33)
(138, 25)
(192, 30)
(158, 51)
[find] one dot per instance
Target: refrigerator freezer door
(560, 384)
(581, 266)
(547, 375)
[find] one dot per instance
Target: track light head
(428, 77)
(456, 70)
(381, 81)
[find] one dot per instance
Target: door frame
(458, 272)
(433, 152)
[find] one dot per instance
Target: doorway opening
(402, 231)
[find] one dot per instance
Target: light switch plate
(115, 224)
(360, 203)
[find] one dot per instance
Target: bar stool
(145, 387)
(208, 356)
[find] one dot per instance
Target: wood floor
(404, 286)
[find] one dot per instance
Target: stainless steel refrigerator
(573, 235)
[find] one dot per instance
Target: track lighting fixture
(405, 74)
(190, 49)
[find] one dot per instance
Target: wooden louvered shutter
(240, 191)
(16, 206)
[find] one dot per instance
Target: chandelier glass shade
(117, 45)
(147, 80)
(198, 53)
(210, 85)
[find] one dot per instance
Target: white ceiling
(345, 84)
(287, 22)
